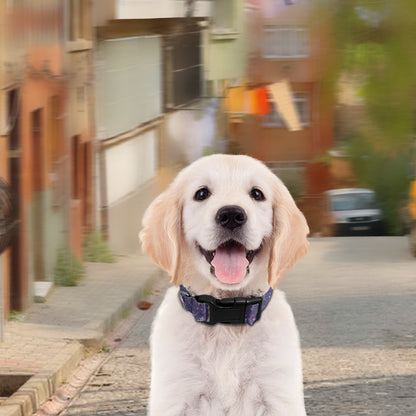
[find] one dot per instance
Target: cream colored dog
(228, 228)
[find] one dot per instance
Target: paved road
(354, 300)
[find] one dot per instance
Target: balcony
(150, 9)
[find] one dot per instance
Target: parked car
(351, 211)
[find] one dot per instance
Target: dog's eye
(202, 194)
(257, 195)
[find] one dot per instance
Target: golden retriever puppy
(224, 341)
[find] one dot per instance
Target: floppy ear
(289, 241)
(162, 232)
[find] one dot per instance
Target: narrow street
(354, 302)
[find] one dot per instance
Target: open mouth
(230, 262)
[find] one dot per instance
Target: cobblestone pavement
(120, 387)
(354, 300)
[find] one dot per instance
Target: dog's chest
(229, 370)
(228, 359)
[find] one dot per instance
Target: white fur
(225, 370)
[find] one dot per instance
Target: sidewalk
(49, 341)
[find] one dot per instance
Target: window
(223, 16)
(301, 101)
(80, 20)
(279, 42)
(183, 68)
(128, 83)
(354, 201)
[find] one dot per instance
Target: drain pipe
(103, 190)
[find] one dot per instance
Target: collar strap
(210, 310)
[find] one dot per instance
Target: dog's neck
(235, 310)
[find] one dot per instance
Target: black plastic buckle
(229, 310)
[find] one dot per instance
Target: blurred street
(354, 302)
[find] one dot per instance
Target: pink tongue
(230, 264)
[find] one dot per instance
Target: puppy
(223, 342)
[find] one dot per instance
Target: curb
(41, 386)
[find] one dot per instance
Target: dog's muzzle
(230, 262)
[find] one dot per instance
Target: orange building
(284, 47)
(40, 157)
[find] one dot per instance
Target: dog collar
(210, 310)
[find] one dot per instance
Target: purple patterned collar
(210, 310)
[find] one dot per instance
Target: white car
(351, 211)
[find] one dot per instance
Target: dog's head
(228, 219)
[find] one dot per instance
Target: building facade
(101, 103)
(148, 66)
(44, 88)
(286, 47)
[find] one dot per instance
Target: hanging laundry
(263, 105)
(283, 100)
(249, 103)
(256, 102)
(235, 100)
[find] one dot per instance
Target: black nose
(231, 216)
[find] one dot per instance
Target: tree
(375, 45)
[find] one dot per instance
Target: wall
(128, 83)
(130, 164)
(132, 168)
(42, 93)
(271, 143)
(128, 109)
(80, 129)
(224, 51)
(300, 63)
(4, 257)
(44, 221)
(80, 93)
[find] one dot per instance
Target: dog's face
(227, 219)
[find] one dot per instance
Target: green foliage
(96, 250)
(68, 270)
(374, 43)
(15, 316)
(324, 158)
(293, 180)
(387, 173)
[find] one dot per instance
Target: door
(38, 208)
(16, 282)
(81, 183)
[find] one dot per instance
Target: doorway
(38, 208)
(13, 117)
(80, 182)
